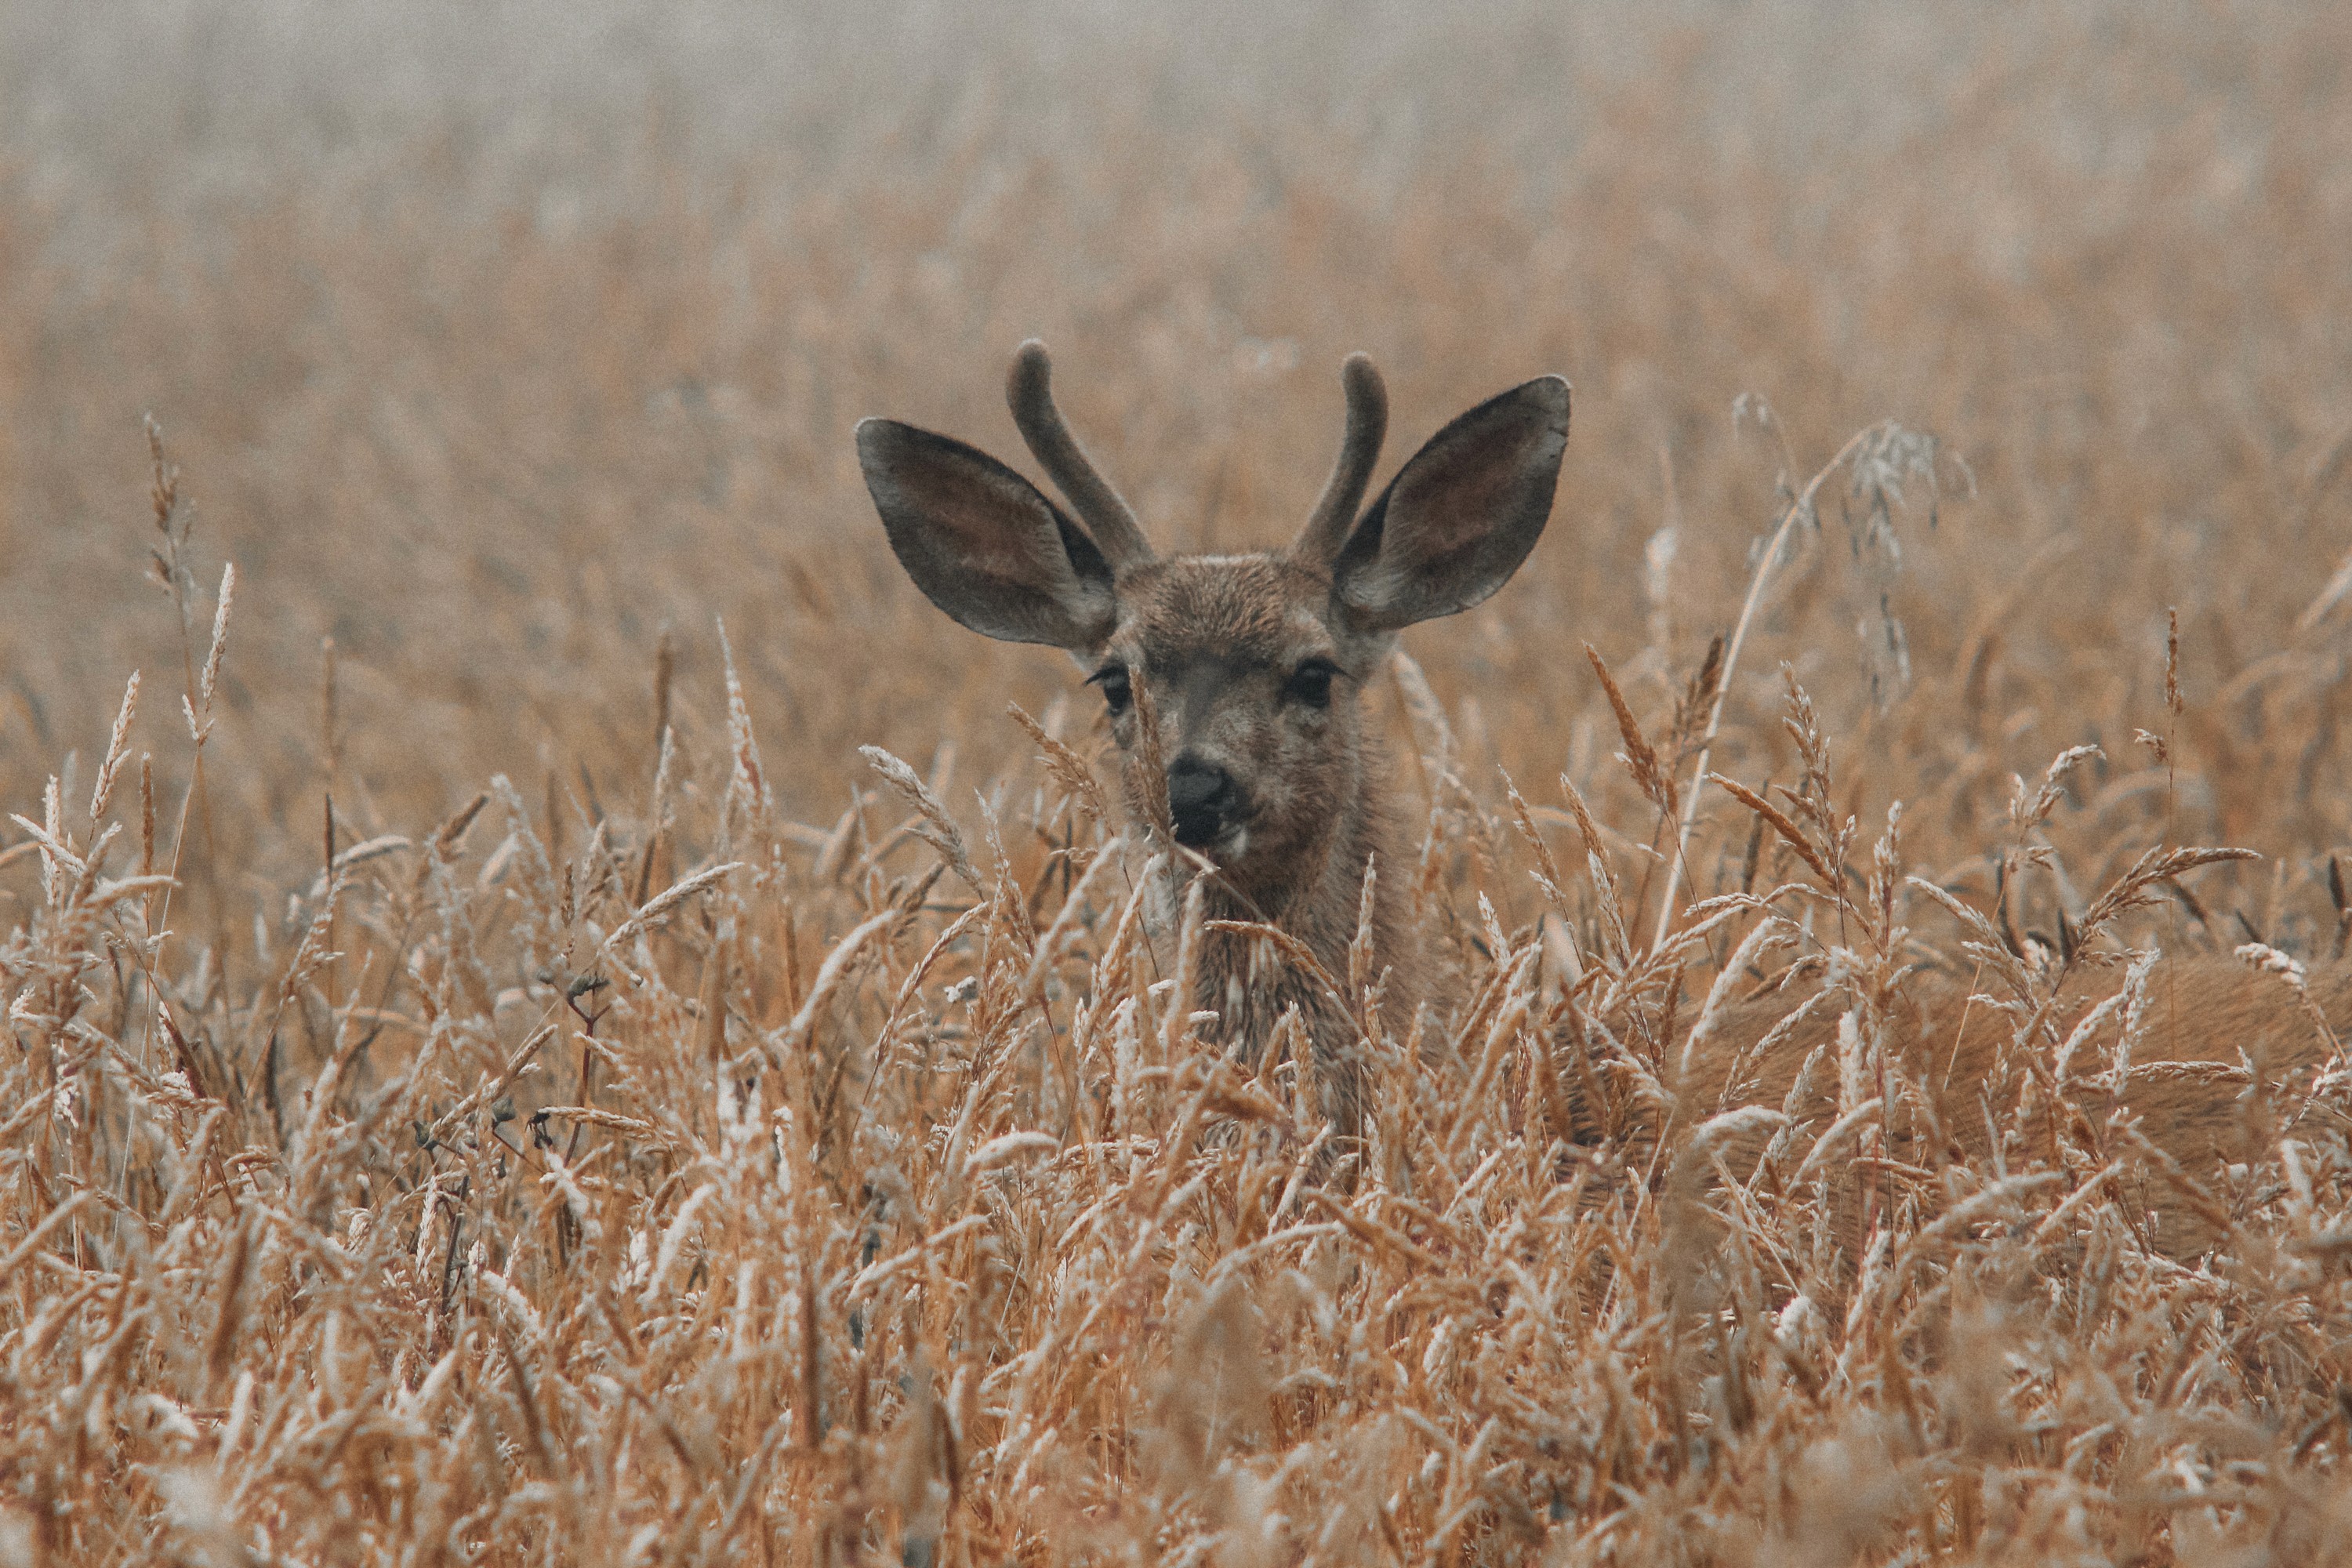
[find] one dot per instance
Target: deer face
(1252, 695)
(1235, 679)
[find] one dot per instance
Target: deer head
(1248, 669)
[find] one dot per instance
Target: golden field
(494, 1074)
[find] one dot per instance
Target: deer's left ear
(1459, 517)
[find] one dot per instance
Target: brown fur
(1955, 1077)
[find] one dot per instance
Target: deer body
(1234, 682)
(2221, 1066)
(1291, 803)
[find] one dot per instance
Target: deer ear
(1459, 517)
(981, 542)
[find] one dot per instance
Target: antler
(1030, 392)
(1367, 424)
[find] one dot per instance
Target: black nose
(1201, 798)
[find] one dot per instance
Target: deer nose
(1201, 798)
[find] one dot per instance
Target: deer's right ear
(982, 543)
(1460, 515)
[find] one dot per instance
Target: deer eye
(1112, 678)
(1310, 683)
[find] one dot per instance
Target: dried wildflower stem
(1798, 509)
(196, 706)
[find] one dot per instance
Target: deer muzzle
(1204, 801)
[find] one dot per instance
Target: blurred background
(493, 340)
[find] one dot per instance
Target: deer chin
(1224, 849)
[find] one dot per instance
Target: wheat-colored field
(494, 1074)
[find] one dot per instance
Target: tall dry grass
(493, 1074)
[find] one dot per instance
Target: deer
(1234, 683)
(1234, 688)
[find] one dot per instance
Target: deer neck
(1319, 901)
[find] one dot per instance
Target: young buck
(1235, 683)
